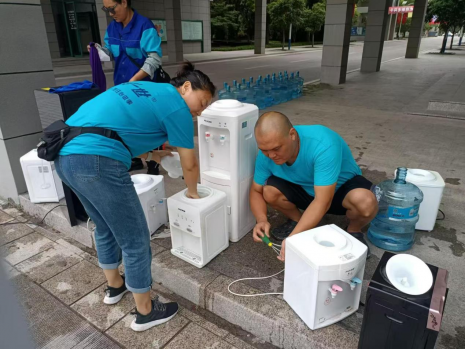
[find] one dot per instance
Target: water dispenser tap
(222, 139)
(334, 290)
(208, 136)
(354, 282)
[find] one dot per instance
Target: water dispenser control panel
(184, 220)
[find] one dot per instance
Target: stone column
(103, 21)
(25, 65)
(174, 30)
(336, 41)
(260, 27)
(374, 38)
(416, 29)
(389, 24)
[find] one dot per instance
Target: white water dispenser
(151, 192)
(42, 181)
(432, 185)
(323, 275)
(198, 226)
(228, 150)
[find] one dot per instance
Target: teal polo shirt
(324, 159)
(144, 114)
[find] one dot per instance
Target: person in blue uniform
(132, 41)
(145, 115)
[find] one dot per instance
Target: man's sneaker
(284, 230)
(113, 295)
(360, 237)
(153, 168)
(161, 313)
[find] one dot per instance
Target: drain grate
(444, 109)
(448, 107)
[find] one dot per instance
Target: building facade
(72, 24)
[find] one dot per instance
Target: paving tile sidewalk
(61, 289)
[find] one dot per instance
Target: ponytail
(198, 79)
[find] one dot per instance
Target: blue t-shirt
(137, 39)
(324, 158)
(144, 114)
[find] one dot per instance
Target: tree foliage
(314, 19)
(450, 15)
(283, 13)
(224, 20)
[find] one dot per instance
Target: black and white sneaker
(113, 295)
(161, 313)
(153, 168)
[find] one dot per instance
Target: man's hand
(283, 251)
(260, 229)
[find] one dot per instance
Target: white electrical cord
(254, 295)
(88, 224)
(277, 249)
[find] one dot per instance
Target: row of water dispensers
(265, 92)
(200, 228)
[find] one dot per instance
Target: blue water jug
(228, 94)
(223, 91)
(269, 101)
(393, 228)
(260, 96)
(300, 82)
(250, 94)
(295, 87)
(239, 93)
(276, 91)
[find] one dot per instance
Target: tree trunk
(452, 40)
(284, 37)
(267, 35)
(444, 41)
(313, 39)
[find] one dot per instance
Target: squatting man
(305, 172)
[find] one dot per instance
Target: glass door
(72, 29)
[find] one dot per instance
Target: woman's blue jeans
(107, 193)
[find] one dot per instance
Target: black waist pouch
(57, 134)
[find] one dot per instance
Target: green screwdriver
(266, 241)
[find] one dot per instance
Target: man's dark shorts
(299, 197)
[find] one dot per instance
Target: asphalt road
(307, 62)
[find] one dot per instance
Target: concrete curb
(182, 278)
(58, 219)
(269, 318)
